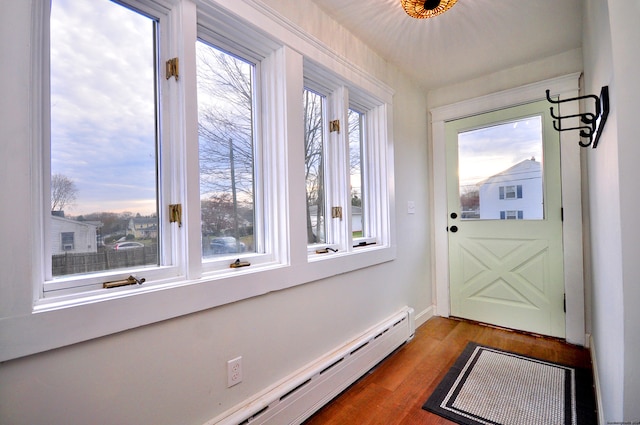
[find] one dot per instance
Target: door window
(500, 169)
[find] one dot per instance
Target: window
(356, 136)
(104, 134)
(119, 155)
(512, 215)
(314, 130)
(226, 151)
(67, 241)
(344, 166)
(510, 192)
(195, 183)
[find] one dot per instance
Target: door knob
(453, 228)
(454, 215)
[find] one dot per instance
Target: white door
(505, 219)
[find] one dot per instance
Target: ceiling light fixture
(426, 9)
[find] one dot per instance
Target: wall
(537, 70)
(611, 37)
(175, 371)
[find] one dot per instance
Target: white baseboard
(424, 315)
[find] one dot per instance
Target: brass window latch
(131, 280)
(325, 250)
(236, 264)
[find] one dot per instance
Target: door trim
(566, 86)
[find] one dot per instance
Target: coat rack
(593, 123)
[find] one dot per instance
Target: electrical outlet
(234, 371)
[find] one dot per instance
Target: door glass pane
(314, 165)
(356, 120)
(500, 171)
(226, 133)
(104, 212)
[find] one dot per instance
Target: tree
(225, 127)
(225, 124)
(470, 201)
(314, 165)
(63, 192)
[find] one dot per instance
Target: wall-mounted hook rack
(593, 123)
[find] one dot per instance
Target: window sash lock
(131, 280)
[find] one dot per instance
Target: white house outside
(73, 237)
(143, 227)
(515, 193)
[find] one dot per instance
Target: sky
(487, 151)
(103, 105)
(103, 112)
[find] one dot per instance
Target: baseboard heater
(298, 396)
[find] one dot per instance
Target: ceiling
(474, 38)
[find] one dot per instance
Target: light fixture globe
(421, 9)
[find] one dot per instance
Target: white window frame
(368, 235)
(341, 97)
(71, 286)
(31, 323)
(264, 213)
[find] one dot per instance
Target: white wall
(611, 37)
(175, 371)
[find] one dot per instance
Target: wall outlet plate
(234, 371)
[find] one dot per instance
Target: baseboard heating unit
(298, 396)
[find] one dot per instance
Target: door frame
(570, 163)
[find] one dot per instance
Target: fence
(105, 259)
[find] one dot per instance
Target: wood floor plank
(393, 393)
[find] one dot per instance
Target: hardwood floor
(394, 392)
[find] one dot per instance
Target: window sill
(54, 323)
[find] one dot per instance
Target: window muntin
(226, 152)
(104, 133)
(314, 164)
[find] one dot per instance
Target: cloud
(103, 116)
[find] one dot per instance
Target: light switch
(411, 207)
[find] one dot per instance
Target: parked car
(226, 245)
(127, 245)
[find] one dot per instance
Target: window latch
(131, 280)
(334, 126)
(325, 250)
(236, 264)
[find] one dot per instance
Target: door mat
(491, 386)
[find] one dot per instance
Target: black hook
(594, 121)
